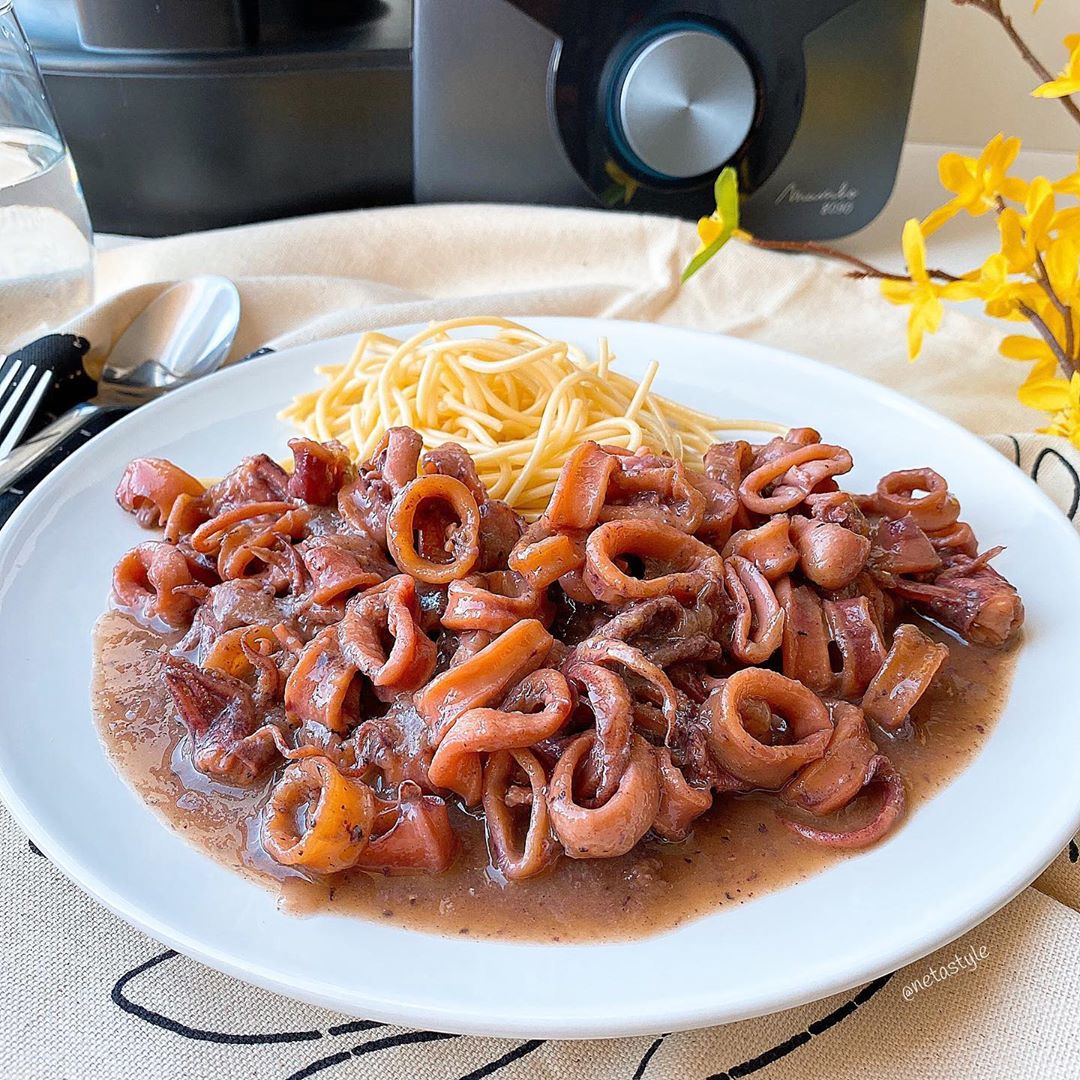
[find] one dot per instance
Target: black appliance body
(193, 114)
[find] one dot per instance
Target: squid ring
(206, 539)
(831, 782)
(151, 487)
(614, 651)
(456, 763)
(464, 541)
(483, 678)
(603, 832)
(744, 756)
(903, 677)
(881, 772)
(834, 460)
(681, 804)
(932, 512)
(381, 637)
(157, 577)
(609, 701)
(493, 602)
(581, 488)
(325, 837)
(757, 629)
(228, 655)
(420, 840)
(318, 686)
(542, 556)
(642, 476)
(647, 540)
(538, 848)
(769, 547)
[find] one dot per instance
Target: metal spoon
(184, 334)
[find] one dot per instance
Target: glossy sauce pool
(736, 852)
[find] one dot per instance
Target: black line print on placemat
(121, 999)
(1036, 465)
(1074, 851)
(801, 1038)
(1016, 448)
(157, 1019)
(353, 1026)
(391, 1041)
(756, 1064)
(643, 1064)
(508, 1058)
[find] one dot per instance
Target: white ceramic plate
(960, 857)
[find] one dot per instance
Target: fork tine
(12, 394)
(8, 371)
(26, 413)
(14, 406)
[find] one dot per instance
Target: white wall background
(972, 83)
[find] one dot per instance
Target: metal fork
(185, 333)
(22, 386)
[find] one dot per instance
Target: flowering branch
(1047, 335)
(1062, 308)
(1067, 355)
(862, 269)
(994, 10)
(1033, 273)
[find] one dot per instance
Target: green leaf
(703, 256)
(612, 195)
(726, 190)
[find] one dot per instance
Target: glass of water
(46, 243)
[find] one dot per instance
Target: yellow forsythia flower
(992, 284)
(1068, 82)
(1017, 248)
(1024, 235)
(1039, 209)
(623, 186)
(1066, 421)
(976, 183)
(1067, 221)
(1062, 262)
(1068, 185)
(1044, 388)
(923, 295)
(1025, 348)
(721, 225)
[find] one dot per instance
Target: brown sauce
(738, 851)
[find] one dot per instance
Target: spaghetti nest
(515, 400)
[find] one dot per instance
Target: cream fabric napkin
(82, 995)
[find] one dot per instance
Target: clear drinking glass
(46, 243)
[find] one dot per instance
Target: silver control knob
(687, 103)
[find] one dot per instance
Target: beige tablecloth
(82, 995)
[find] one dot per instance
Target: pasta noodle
(517, 402)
